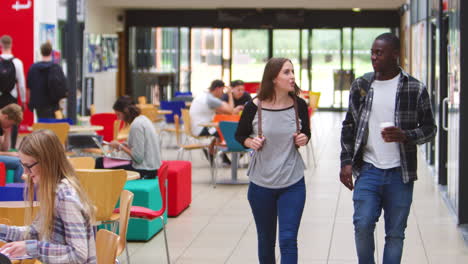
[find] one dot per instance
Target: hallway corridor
(218, 226)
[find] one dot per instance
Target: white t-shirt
(202, 110)
(379, 153)
(20, 85)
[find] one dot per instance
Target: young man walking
(47, 83)
(11, 80)
(389, 115)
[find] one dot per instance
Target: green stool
(10, 176)
(147, 194)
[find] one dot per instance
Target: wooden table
(15, 211)
(82, 129)
(210, 124)
(164, 112)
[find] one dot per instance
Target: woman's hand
(300, 139)
(115, 144)
(14, 249)
(255, 143)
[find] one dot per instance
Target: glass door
(206, 58)
(249, 54)
(326, 58)
(287, 44)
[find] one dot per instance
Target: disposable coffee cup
(386, 124)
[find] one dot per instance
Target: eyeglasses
(29, 167)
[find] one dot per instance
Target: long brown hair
(44, 146)
(267, 88)
(126, 105)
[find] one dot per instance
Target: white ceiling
(214, 4)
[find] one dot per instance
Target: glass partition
(249, 54)
(206, 58)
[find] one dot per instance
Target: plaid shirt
(72, 239)
(413, 114)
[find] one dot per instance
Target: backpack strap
(260, 131)
(298, 127)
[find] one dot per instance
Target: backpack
(7, 75)
(56, 83)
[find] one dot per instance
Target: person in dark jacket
(45, 96)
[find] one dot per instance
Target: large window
(249, 54)
(206, 59)
(189, 59)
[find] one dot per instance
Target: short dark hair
(46, 49)
(236, 83)
(215, 84)
(6, 41)
(126, 105)
(390, 38)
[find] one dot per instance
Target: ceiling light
(356, 9)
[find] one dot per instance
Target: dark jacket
(38, 84)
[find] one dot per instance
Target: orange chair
(219, 118)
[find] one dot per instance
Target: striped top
(72, 239)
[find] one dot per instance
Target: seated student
(10, 115)
(62, 231)
(239, 95)
(143, 142)
(206, 105)
(203, 109)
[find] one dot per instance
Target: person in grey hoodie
(46, 81)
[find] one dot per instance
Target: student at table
(10, 116)
(62, 231)
(143, 142)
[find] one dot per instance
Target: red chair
(143, 212)
(252, 87)
(2, 174)
(107, 121)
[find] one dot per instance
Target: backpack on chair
(7, 75)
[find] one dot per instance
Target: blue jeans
(378, 189)
(13, 163)
(286, 205)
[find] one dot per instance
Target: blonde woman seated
(62, 231)
(143, 142)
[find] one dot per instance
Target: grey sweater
(278, 164)
(144, 143)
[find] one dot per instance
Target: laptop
(84, 141)
(108, 153)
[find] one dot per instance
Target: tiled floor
(218, 226)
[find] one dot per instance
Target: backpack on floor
(7, 75)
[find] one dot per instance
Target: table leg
(234, 165)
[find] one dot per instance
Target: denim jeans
(378, 189)
(13, 163)
(285, 205)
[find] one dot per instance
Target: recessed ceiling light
(356, 9)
